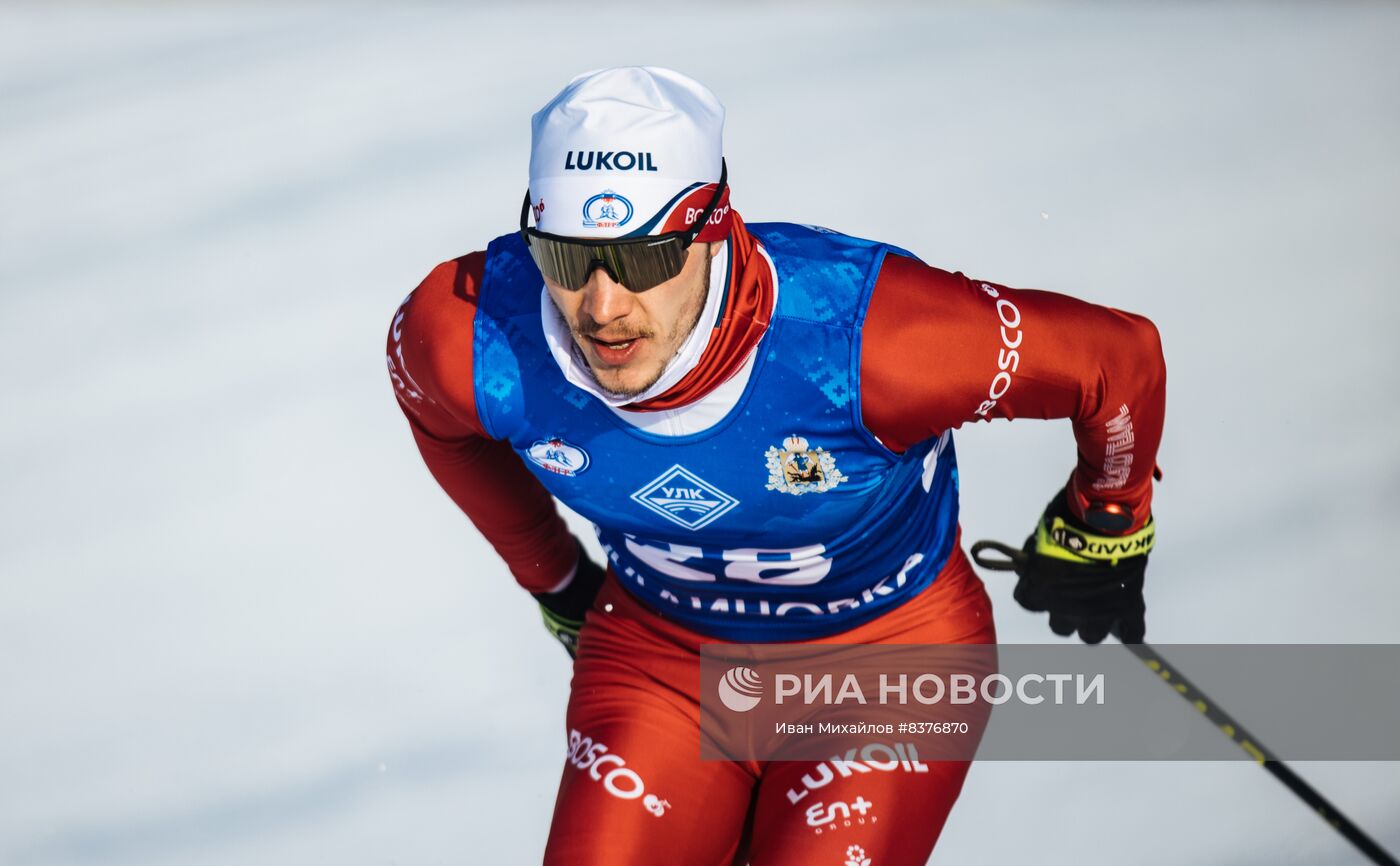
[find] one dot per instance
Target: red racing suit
(633, 705)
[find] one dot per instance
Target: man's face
(628, 337)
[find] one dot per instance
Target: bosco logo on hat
(628, 152)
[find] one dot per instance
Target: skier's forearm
(1118, 440)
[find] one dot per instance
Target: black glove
(1088, 579)
(563, 610)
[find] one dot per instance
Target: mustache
(592, 330)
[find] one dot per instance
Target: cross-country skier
(757, 419)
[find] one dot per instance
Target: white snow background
(239, 624)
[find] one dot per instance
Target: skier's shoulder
(449, 288)
(803, 235)
(904, 277)
(443, 305)
(904, 267)
(430, 336)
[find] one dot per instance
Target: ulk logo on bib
(683, 498)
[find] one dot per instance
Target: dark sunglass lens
(563, 263)
(650, 265)
(637, 265)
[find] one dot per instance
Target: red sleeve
(939, 349)
(430, 364)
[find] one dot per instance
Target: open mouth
(614, 344)
(615, 351)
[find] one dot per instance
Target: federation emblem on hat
(606, 210)
(798, 468)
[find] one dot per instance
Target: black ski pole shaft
(1261, 754)
(1224, 721)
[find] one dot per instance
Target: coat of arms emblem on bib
(798, 468)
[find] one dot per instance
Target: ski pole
(1154, 661)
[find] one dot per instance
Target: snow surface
(240, 624)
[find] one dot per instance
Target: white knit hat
(629, 151)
